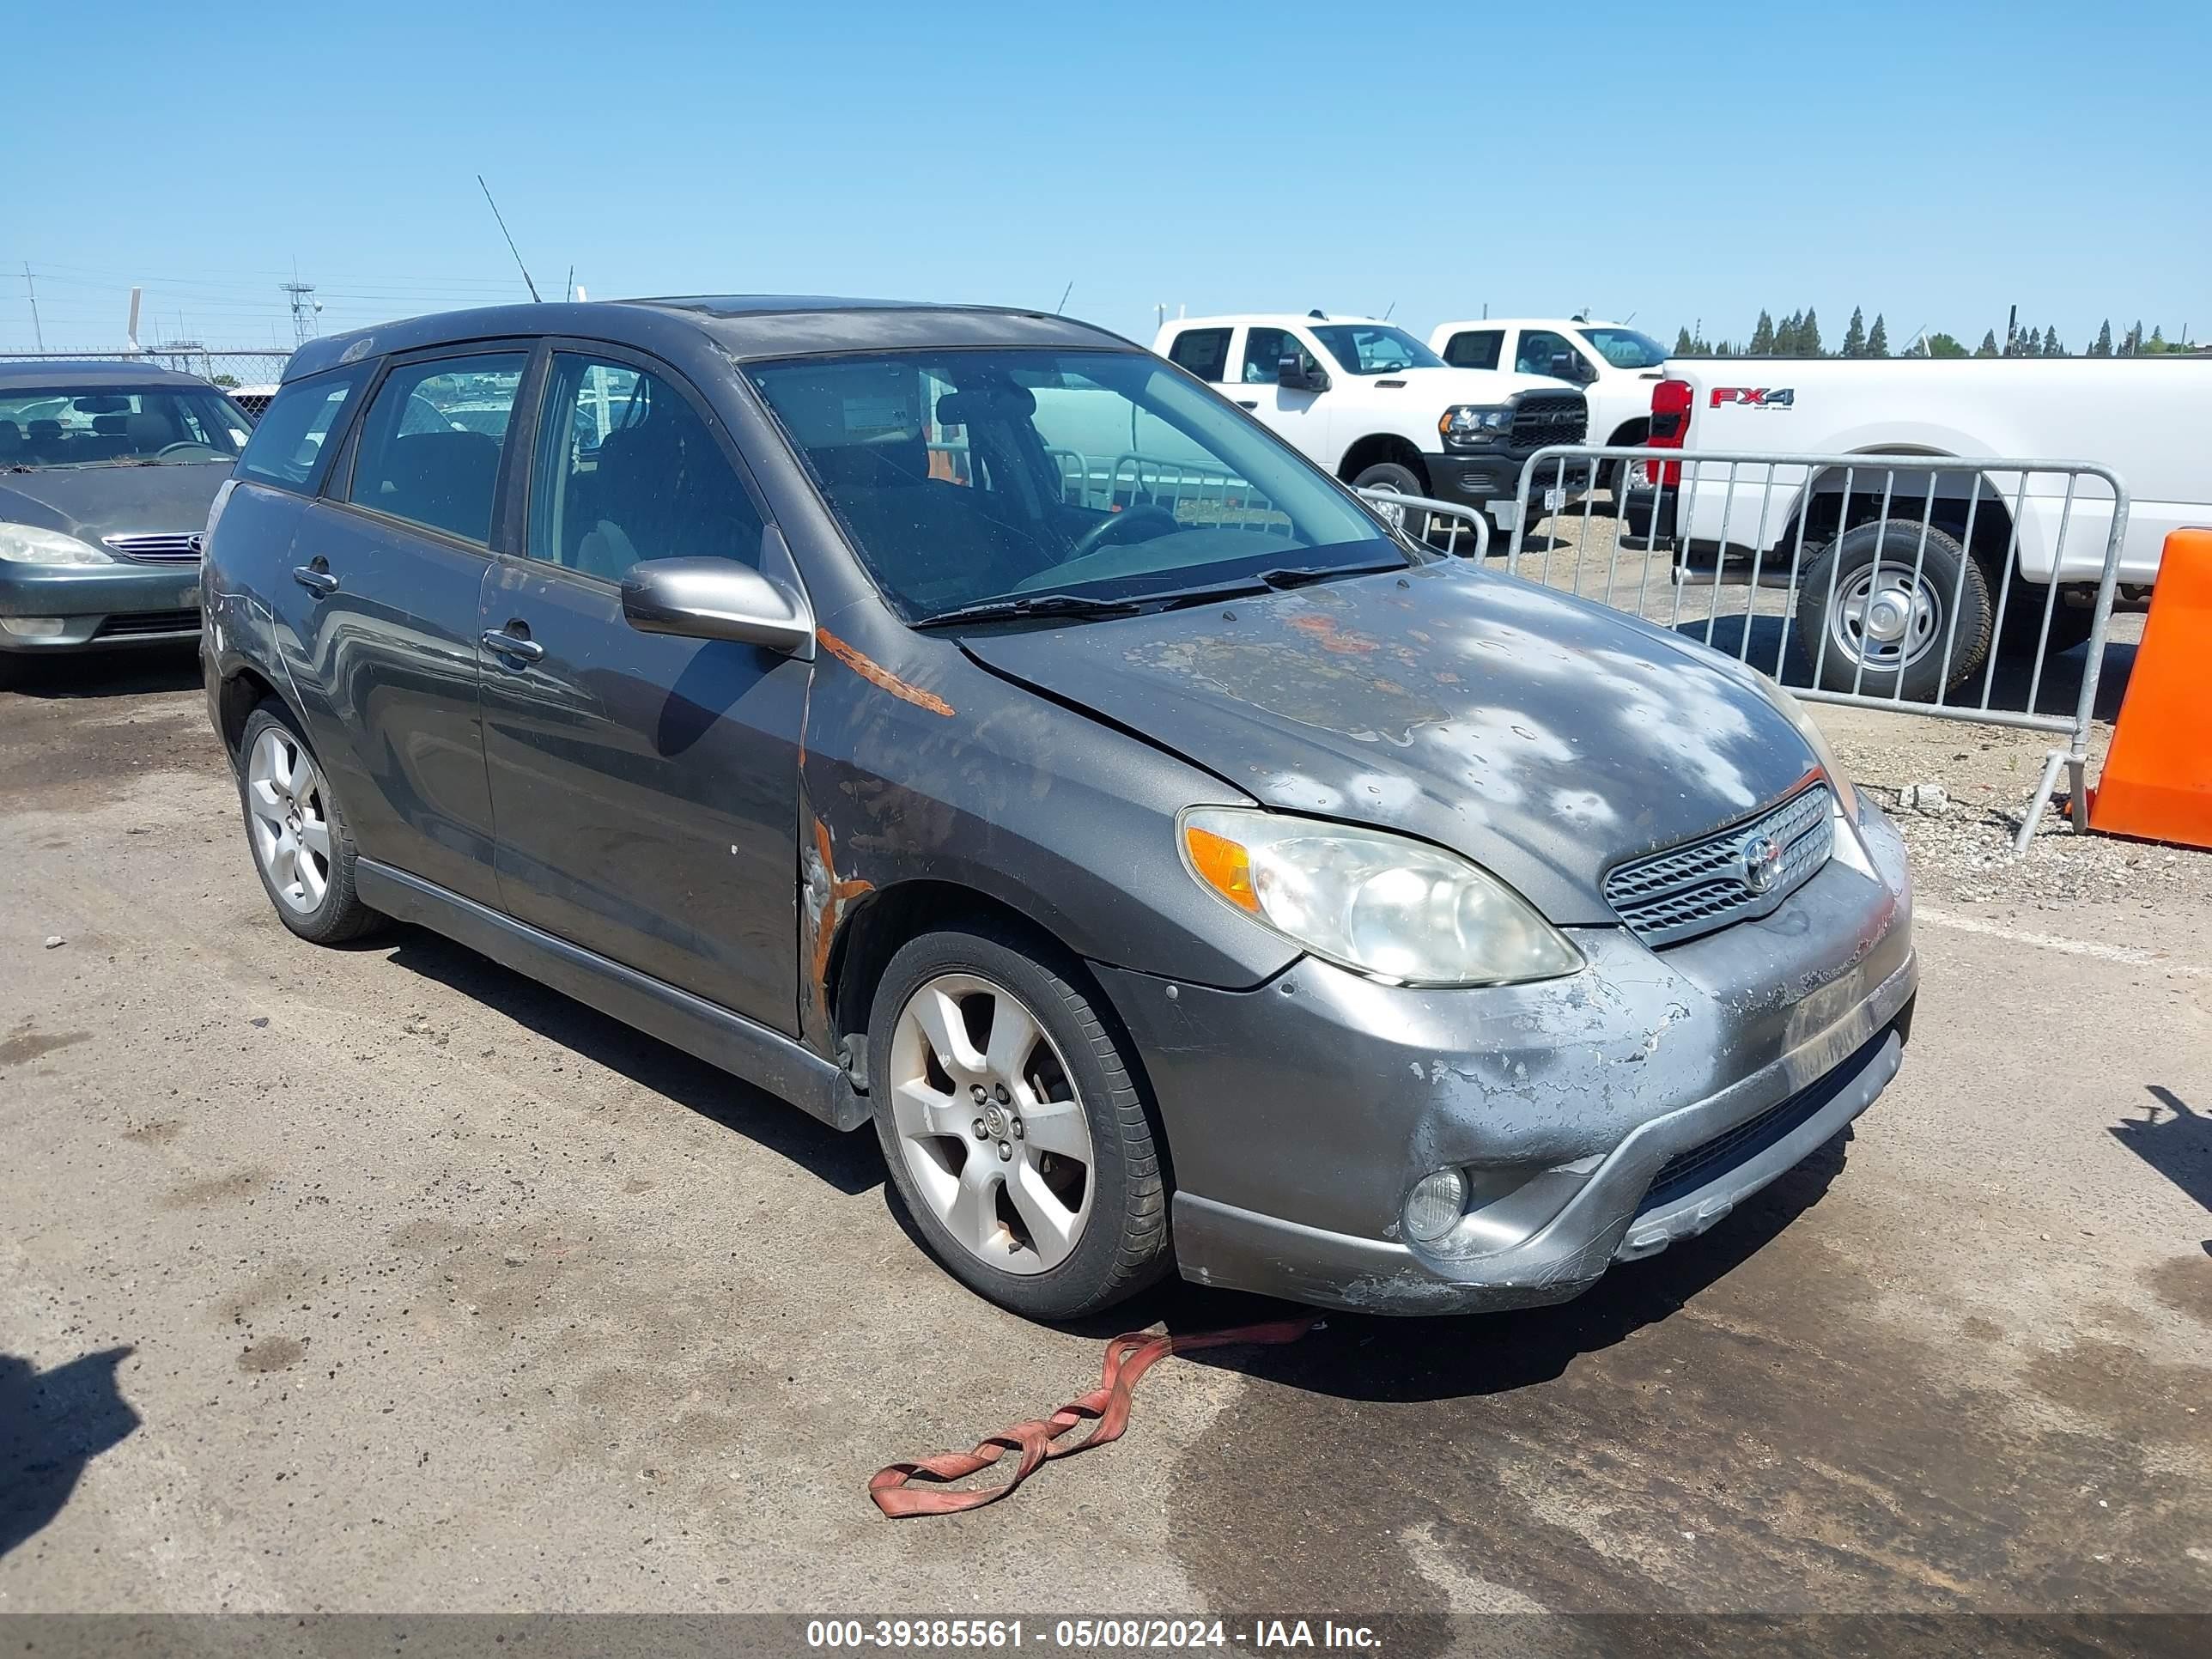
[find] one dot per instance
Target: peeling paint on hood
(1546, 737)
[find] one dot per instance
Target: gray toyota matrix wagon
(963, 720)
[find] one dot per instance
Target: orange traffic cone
(2157, 781)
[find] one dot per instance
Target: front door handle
(316, 578)
(512, 645)
(1247, 403)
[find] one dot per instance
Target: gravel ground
(381, 1278)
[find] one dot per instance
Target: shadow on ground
(851, 1162)
(135, 673)
(52, 1425)
(2174, 1140)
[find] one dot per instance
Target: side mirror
(1290, 370)
(717, 599)
(1566, 366)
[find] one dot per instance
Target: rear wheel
(1883, 604)
(302, 849)
(1011, 1126)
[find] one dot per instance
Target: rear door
(646, 788)
(393, 561)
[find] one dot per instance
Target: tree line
(1798, 334)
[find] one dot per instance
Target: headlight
(1797, 717)
(1395, 908)
(23, 543)
(1475, 423)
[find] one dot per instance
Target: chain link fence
(250, 371)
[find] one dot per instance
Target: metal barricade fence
(1922, 583)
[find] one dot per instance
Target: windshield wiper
(1299, 575)
(1033, 605)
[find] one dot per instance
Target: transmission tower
(304, 308)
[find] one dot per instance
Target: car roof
(742, 326)
(89, 374)
(1271, 319)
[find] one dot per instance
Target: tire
(1850, 613)
(1075, 1085)
(1400, 480)
(282, 793)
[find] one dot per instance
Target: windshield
(1624, 347)
(1375, 348)
(964, 477)
(42, 428)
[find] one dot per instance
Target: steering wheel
(1111, 527)
(185, 443)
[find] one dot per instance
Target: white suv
(1614, 365)
(1378, 408)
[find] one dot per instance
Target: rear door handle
(316, 578)
(512, 645)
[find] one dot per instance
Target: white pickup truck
(2146, 419)
(1613, 364)
(1380, 410)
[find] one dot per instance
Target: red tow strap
(1127, 1358)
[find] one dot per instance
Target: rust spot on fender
(827, 899)
(876, 674)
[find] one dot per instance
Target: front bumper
(1491, 481)
(1603, 1115)
(100, 604)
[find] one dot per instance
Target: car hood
(1447, 387)
(92, 501)
(1544, 737)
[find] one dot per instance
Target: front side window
(120, 426)
(287, 446)
(1624, 348)
(1540, 351)
(1477, 348)
(1096, 474)
(626, 470)
(431, 441)
(1203, 351)
(1264, 351)
(1375, 348)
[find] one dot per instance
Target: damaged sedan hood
(1544, 737)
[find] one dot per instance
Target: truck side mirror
(1566, 366)
(1292, 370)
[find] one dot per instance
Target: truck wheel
(1864, 622)
(1398, 480)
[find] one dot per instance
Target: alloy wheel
(288, 805)
(989, 1124)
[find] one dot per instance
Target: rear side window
(1204, 352)
(1475, 348)
(289, 442)
(431, 441)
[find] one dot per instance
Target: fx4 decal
(1757, 397)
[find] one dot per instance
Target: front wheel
(1892, 604)
(1011, 1126)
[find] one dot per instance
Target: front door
(391, 564)
(1298, 416)
(646, 788)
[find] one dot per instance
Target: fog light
(34, 627)
(1435, 1205)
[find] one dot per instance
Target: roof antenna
(1064, 293)
(572, 283)
(511, 247)
(1388, 309)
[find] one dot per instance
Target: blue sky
(1933, 163)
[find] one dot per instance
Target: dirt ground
(382, 1278)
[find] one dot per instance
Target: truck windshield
(1624, 347)
(1375, 348)
(964, 477)
(125, 425)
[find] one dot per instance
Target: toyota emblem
(1761, 857)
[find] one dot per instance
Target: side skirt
(768, 1059)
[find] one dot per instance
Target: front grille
(1550, 417)
(1703, 1165)
(1707, 884)
(150, 622)
(183, 547)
